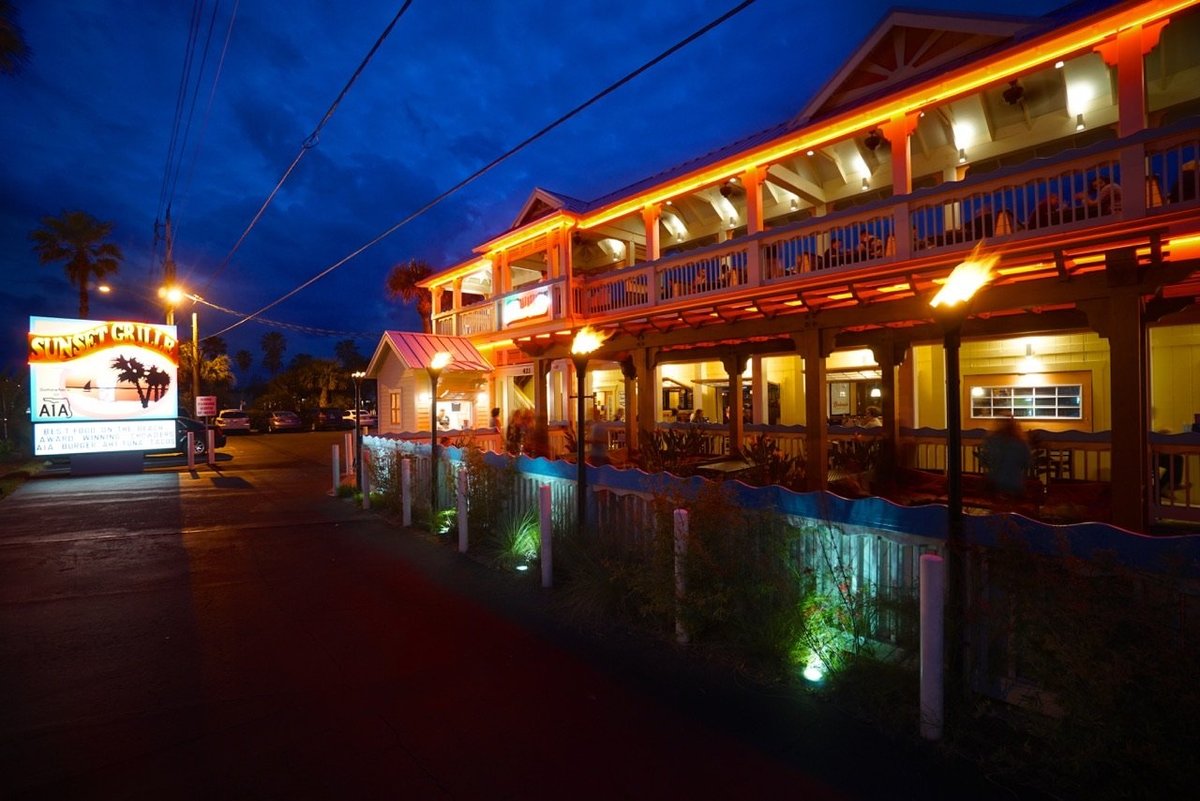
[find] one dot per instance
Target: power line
(309, 143)
(494, 162)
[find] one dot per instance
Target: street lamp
(436, 365)
(174, 295)
(358, 375)
(951, 304)
(585, 343)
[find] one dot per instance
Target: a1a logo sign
(54, 409)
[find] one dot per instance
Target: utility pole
(168, 264)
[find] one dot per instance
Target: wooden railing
(1012, 202)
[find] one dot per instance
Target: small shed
(400, 367)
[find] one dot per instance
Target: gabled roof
(542, 203)
(908, 45)
(416, 350)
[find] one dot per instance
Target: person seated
(701, 283)
(874, 418)
(982, 225)
(729, 276)
(443, 419)
(869, 245)
(834, 255)
(1047, 212)
(1105, 197)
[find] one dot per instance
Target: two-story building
(785, 279)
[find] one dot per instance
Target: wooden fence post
(406, 491)
(933, 583)
(681, 535)
(546, 529)
(462, 509)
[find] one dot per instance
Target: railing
(1029, 199)
(862, 239)
(1173, 171)
(487, 316)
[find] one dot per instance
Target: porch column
(758, 392)
(1126, 52)
(1121, 320)
(898, 131)
(629, 372)
(814, 349)
(734, 364)
(752, 181)
(458, 282)
(541, 405)
(889, 354)
(647, 390)
(650, 217)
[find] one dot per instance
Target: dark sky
(88, 123)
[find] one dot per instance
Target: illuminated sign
(527, 305)
(57, 439)
(83, 371)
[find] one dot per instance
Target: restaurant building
(785, 280)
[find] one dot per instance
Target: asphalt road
(237, 633)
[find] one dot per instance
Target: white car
(364, 418)
(230, 420)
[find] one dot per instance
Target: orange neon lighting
(793, 303)
(894, 288)
(1023, 57)
(1022, 268)
(841, 296)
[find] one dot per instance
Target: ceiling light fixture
(865, 184)
(1058, 65)
(962, 155)
(1079, 126)
(811, 153)
(874, 139)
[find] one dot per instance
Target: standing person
(597, 438)
(494, 423)
(1006, 457)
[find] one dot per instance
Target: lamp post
(436, 365)
(358, 376)
(173, 296)
(585, 343)
(951, 305)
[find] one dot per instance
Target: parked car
(326, 419)
(283, 421)
(185, 424)
(364, 418)
(230, 420)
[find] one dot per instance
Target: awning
(416, 351)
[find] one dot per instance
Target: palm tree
(402, 282)
(243, 359)
(132, 371)
(78, 239)
(348, 356)
(273, 345)
(14, 51)
(212, 347)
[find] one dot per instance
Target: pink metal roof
(416, 350)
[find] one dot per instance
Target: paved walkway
(330, 655)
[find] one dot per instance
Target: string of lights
(742, 6)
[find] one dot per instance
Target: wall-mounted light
(810, 153)
(962, 155)
(1079, 126)
(1058, 65)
